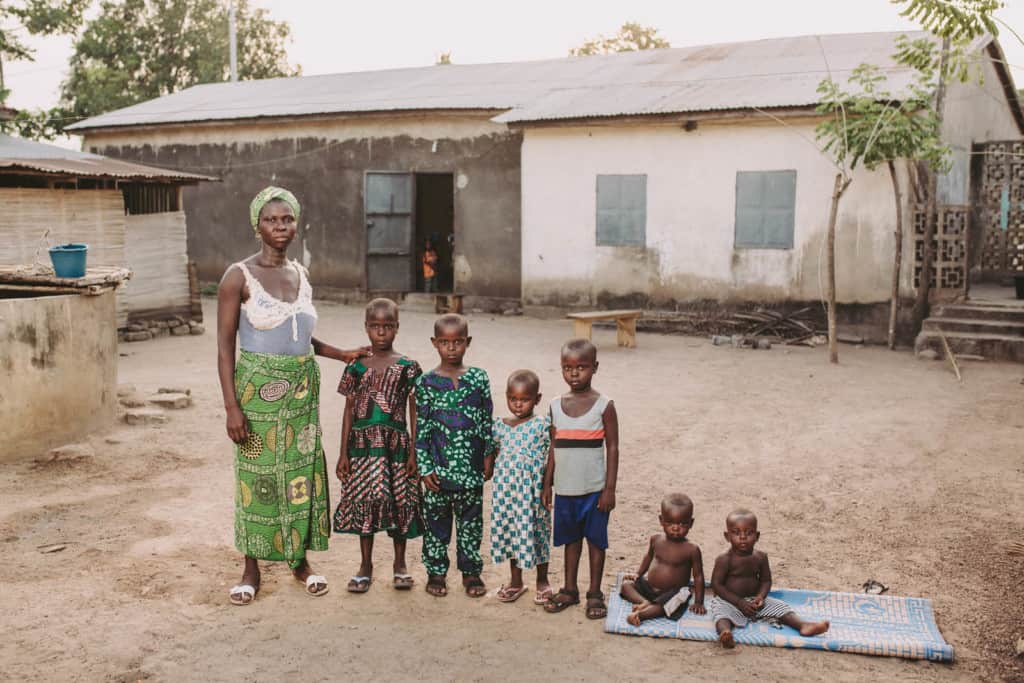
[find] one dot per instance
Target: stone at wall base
(145, 416)
(173, 401)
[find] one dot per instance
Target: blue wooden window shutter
(765, 208)
(622, 210)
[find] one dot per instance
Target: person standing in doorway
(429, 267)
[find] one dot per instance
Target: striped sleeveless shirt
(579, 449)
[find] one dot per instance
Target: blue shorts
(577, 517)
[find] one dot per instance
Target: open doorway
(435, 221)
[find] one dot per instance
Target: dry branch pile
(802, 326)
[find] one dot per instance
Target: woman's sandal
(596, 609)
(554, 605)
(437, 586)
(403, 582)
(314, 580)
(542, 597)
(474, 587)
(358, 584)
(510, 593)
(242, 594)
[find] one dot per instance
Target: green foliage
(36, 17)
(38, 124)
(868, 125)
(631, 37)
(957, 20)
(444, 58)
(33, 17)
(137, 50)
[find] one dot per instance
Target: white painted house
(692, 174)
(653, 178)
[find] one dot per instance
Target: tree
(35, 17)
(954, 19)
(871, 126)
(137, 50)
(444, 58)
(631, 37)
(38, 18)
(957, 23)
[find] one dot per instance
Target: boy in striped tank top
(582, 470)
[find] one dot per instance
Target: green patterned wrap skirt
(281, 499)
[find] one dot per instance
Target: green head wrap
(269, 194)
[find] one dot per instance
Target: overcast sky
(331, 36)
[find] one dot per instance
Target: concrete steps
(986, 310)
(993, 329)
(950, 326)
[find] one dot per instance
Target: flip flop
(312, 581)
(542, 597)
(510, 593)
(359, 584)
(242, 595)
(554, 605)
(403, 582)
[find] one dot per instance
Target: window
(764, 209)
(622, 210)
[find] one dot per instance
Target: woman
(272, 397)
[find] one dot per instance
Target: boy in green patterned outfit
(453, 452)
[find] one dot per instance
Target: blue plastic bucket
(69, 259)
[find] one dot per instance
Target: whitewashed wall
(976, 111)
(691, 193)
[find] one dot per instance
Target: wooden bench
(625, 323)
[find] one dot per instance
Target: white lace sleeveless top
(266, 312)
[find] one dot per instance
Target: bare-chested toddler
(742, 579)
(661, 586)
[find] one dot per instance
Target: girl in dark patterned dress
(377, 465)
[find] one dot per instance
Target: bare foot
(634, 618)
(814, 628)
(726, 639)
(640, 605)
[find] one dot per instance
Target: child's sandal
(596, 609)
(437, 586)
(474, 587)
(562, 600)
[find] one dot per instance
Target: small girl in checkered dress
(520, 524)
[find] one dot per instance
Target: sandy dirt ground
(883, 467)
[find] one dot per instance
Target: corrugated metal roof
(781, 72)
(19, 154)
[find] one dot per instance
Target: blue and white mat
(883, 625)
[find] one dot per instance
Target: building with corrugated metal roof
(654, 178)
(130, 215)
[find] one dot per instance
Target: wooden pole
(928, 252)
(833, 343)
(894, 305)
(951, 357)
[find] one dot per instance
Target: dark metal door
(388, 204)
(999, 208)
